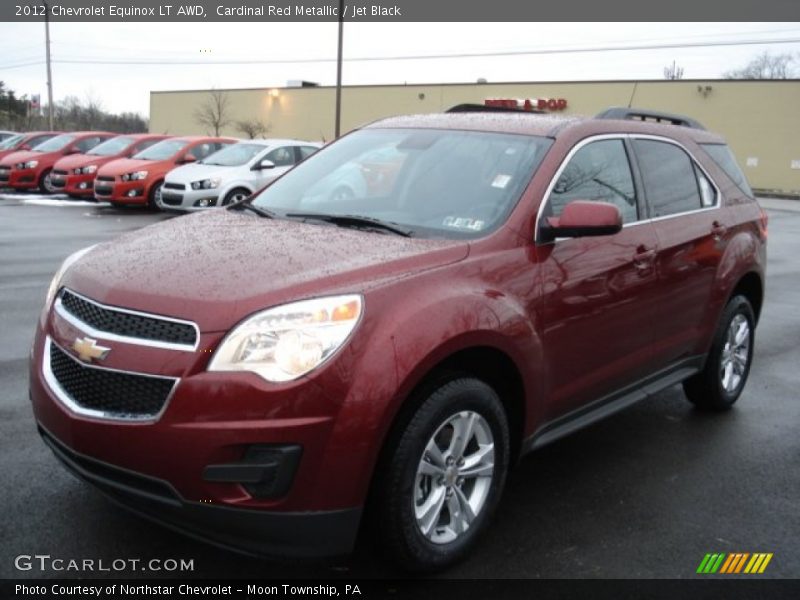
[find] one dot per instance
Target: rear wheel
(720, 383)
(441, 483)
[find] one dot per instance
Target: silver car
(231, 174)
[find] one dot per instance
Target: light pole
(337, 128)
(49, 72)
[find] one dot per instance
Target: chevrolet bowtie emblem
(88, 349)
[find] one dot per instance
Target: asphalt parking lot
(645, 494)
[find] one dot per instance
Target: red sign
(528, 103)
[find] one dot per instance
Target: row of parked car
(172, 173)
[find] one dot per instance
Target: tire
(415, 476)
(154, 196)
(235, 195)
(44, 185)
(720, 383)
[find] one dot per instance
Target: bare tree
(253, 128)
(214, 113)
(673, 72)
(764, 66)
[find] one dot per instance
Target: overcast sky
(126, 87)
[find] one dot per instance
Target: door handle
(643, 259)
(718, 230)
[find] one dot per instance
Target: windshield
(162, 150)
(55, 144)
(11, 142)
(434, 183)
(111, 147)
(234, 155)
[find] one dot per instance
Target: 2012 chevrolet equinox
(387, 336)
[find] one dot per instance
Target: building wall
(760, 119)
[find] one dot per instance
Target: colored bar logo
(735, 562)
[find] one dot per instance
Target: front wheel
(720, 383)
(445, 475)
(235, 195)
(154, 198)
(46, 184)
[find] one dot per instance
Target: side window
(708, 195)
(722, 155)
(87, 144)
(669, 178)
(282, 157)
(306, 151)
(599, 172)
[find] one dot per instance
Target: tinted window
(723, 156)
(600, 172)
(282, 157)
(708, 195)
(669, 177)
(87, 144)
(145, 144)
(11, 142)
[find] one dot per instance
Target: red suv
(28, 170)
(137, 181)
(262, 375)
(75, 174)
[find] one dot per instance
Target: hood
(217, 267)
(196, 172)
(23, 156)
(81, 160)
(121, 166)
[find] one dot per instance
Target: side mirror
(264, 164)
(188, 158)
(69, 151)
(582, 218)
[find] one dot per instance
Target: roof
(548, 125)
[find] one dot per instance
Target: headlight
(286, 342)
(31, 164)
(89, 170)
(135, 176)
(206, 184)
(56, 282)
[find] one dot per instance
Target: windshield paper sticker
(463, 223)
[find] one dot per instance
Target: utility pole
(339, 73)
(49, 71)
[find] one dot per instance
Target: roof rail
(619, 112)
(472, 108)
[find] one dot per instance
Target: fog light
(204, 202)
(82, 186)
(132, 193)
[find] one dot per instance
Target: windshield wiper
(355, 221)
(261, 212)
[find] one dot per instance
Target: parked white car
(4, 135)
(231, 174)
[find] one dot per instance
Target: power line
(502, 53)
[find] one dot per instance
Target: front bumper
(188, 200)
(262, 533)
(121, 192)
(19, 179)
(74, 185)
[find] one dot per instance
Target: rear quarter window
(723, 156)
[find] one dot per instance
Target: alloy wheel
(735, 353)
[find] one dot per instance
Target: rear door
(692, 229)
(598, 292)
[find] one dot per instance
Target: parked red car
(24, 141)
(260, 375)
(75, 174)
(31, 169)
(137, 181)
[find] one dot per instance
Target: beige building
(760, 119)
